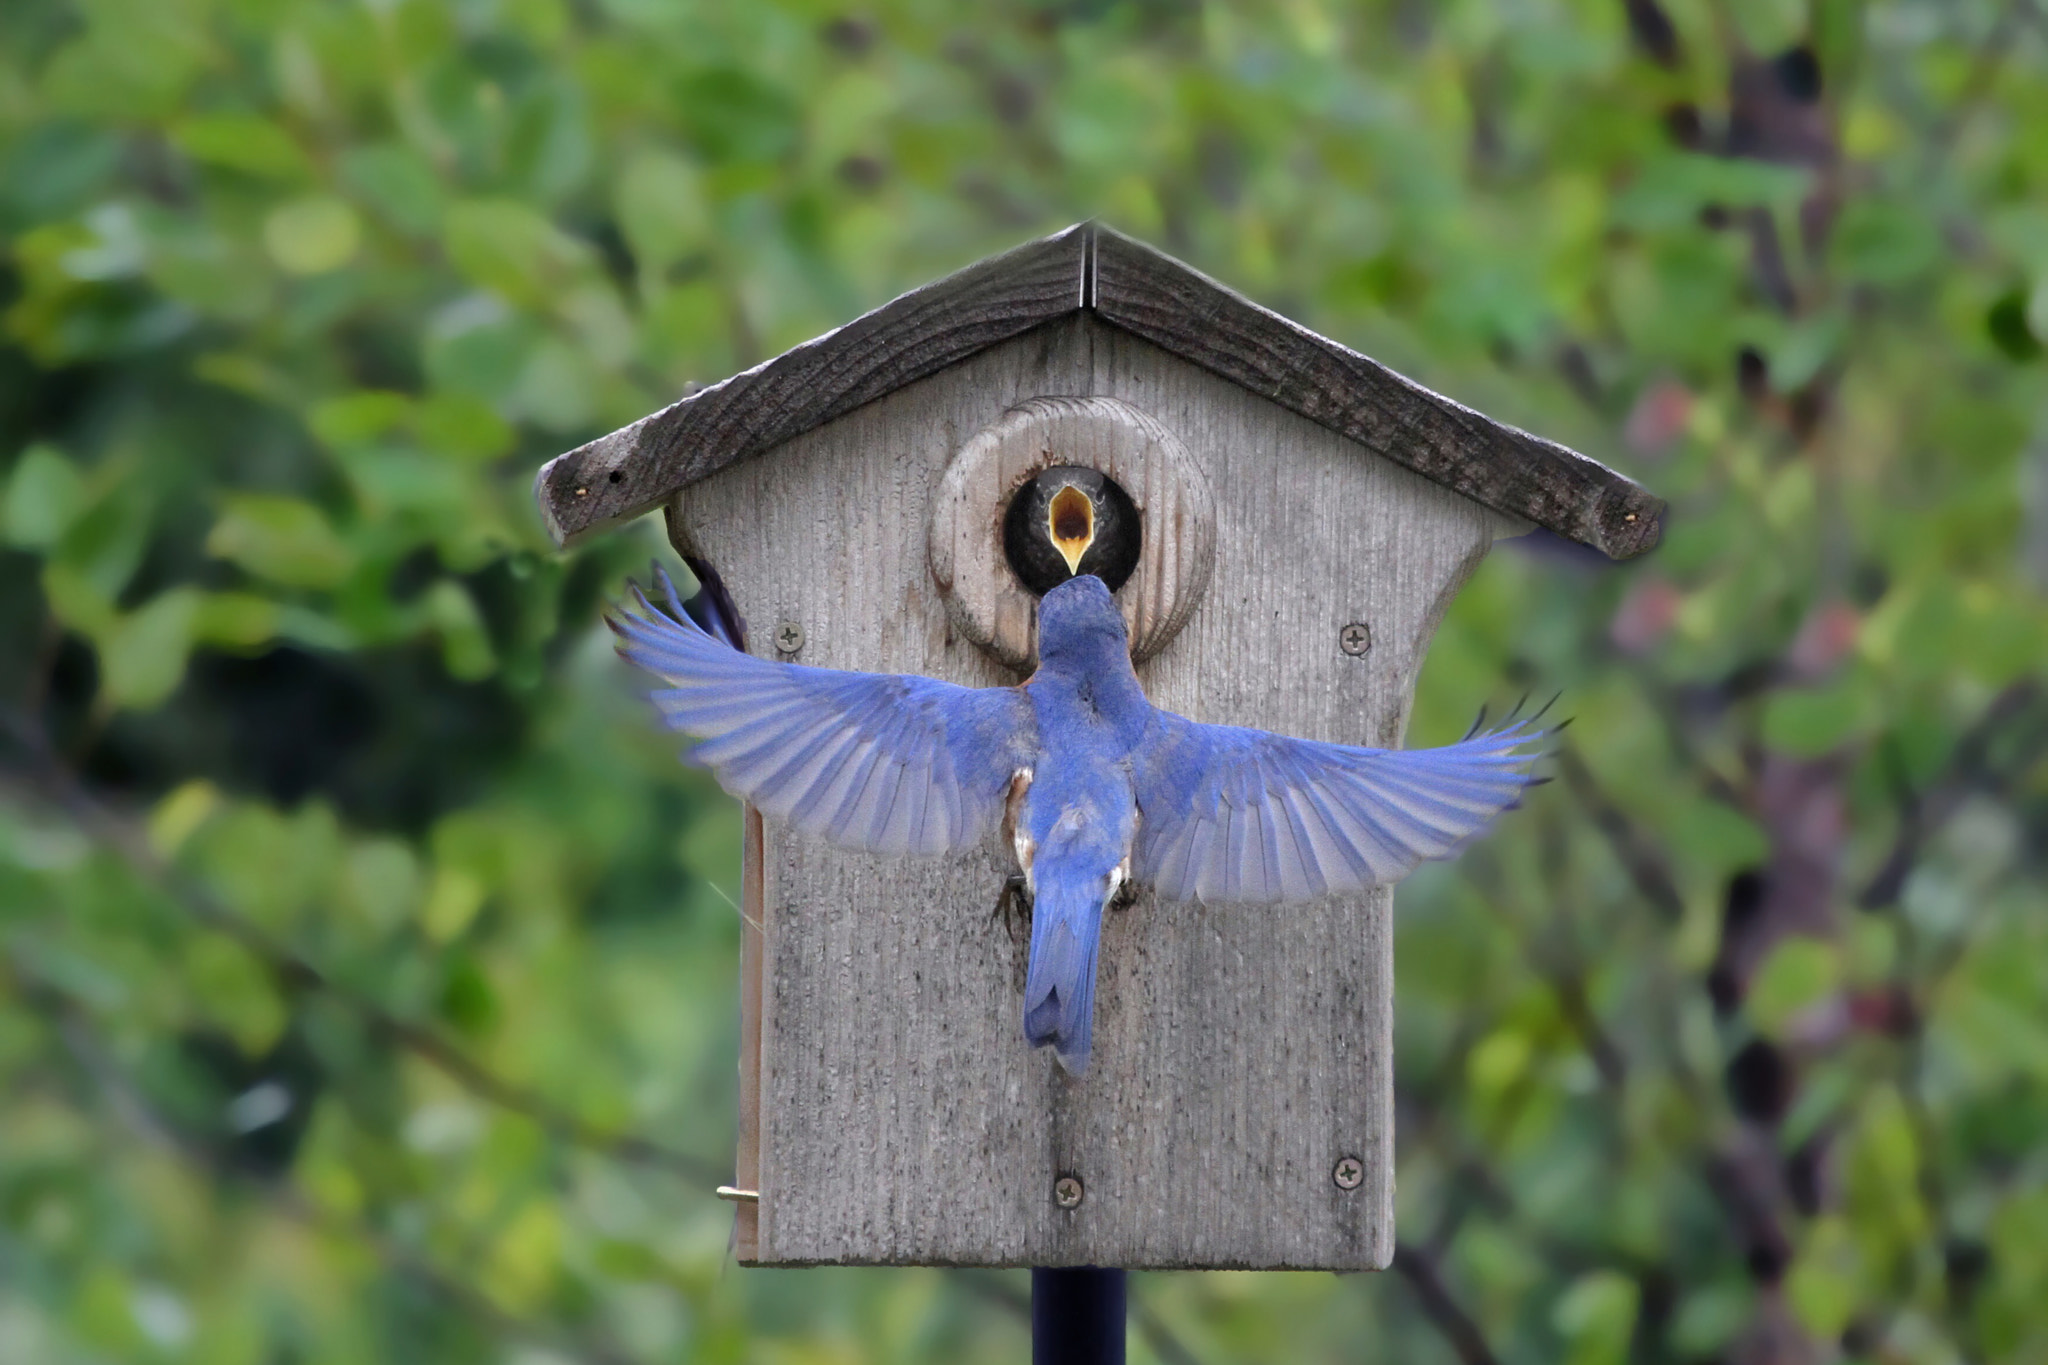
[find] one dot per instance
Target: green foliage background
(367, 962)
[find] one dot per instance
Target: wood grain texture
(1185, 312)
(635, 469)
(1239, 1052)
(747, 1159)
(1178, 548)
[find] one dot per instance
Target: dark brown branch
(1969, 769)
(1645, 863)
(1672, 707)
(1553, 958)
(1608, 1059)
(1456, 1326)
(296, 973)
(997, 1290)
(1158, 1335)
(1985, 68)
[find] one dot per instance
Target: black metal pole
(1077, 1316)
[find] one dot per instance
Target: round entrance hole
(1072, 520)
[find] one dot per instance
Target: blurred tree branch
(295, 973)
(125, 1099)
(1985, 66)
(1970, 769)
(1647, 865)
(1452, 1322)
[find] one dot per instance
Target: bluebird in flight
(1097, 790)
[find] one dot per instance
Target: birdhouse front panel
(1237, 1111)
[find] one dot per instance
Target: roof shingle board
(1130, 286)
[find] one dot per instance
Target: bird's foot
(1126, 896)
(1013, 904)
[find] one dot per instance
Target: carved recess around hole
(983, 597)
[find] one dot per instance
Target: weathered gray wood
(1240, 1052)
(983, 597)
(1511, 471)
(1088, 267)
(635, 469)
(747, 1142)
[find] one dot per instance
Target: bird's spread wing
(884, 762)
(1229, 814)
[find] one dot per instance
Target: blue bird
(1097, 790)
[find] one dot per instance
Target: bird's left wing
(1230, 814)
(885, 762)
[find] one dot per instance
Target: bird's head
(1070, 521)
(1079, 619)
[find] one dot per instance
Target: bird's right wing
(1230, 814)
(884, 762)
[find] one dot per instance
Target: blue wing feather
(884, 762)
(1231, 814)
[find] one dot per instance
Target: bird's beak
(1071, 521)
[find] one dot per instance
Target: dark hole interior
(1028, 533)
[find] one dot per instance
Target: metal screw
(1348, 1173)
(1355, 638)
(789, 637)
(1066, 1192)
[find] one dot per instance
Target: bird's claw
(1013, 903)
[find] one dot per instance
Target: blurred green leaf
(1819, 720)
(45, 494)
(506, 247)
(356, 418)
(1799, 974)
(1824, 1287)
(143, 656)
(461, 425)
(281, 539)
(234, 620)
(312, 235)
(243, 142)
(1596, 1315)
(1884, 244)
(181, 813)
(661, 209)
(397, 182)
(734, 114)
(1674, 188)
(236, 993)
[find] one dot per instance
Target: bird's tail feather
(1059, 987)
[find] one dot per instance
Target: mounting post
(1077, 1316)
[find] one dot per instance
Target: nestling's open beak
(1071, 521)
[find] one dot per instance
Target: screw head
(789, 637)
(1355, 638)
(1348, 1173)
(1067, 1192)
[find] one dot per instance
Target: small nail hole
(613, 477)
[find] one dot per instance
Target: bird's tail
(1059, 987)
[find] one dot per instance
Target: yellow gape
(1071, 521)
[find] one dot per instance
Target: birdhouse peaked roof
(1128, 285)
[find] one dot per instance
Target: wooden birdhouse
(1305, 516)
